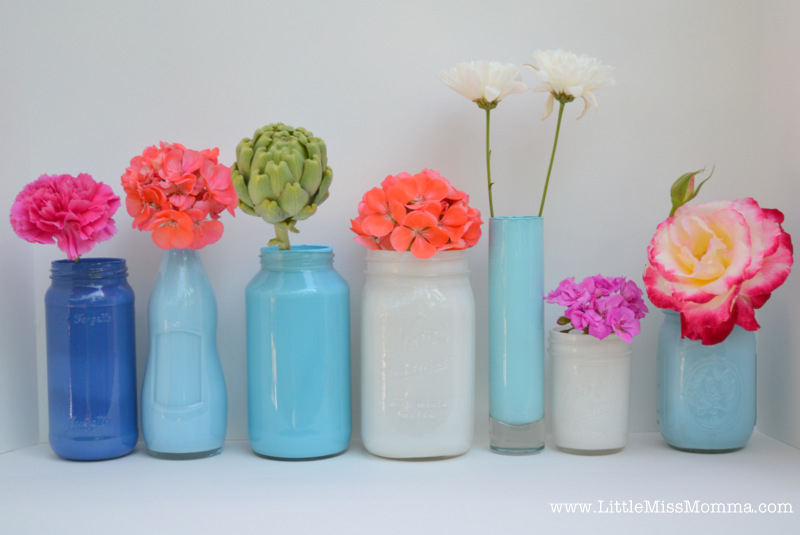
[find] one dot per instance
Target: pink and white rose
(715, 263)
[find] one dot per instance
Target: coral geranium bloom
(206, 233)
(454, 221)
(383, 210)
(420, 234)
(423, 188)
(172, 229)
(168, 179)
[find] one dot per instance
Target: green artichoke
(281, 175)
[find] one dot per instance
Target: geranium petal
(401, 238)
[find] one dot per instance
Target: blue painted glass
(516, 334)
(298, 355)
(184, 401)
(706, 393)
(91, 359)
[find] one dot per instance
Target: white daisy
(567, 76)
(484, 82)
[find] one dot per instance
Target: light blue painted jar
(516, 335)
(706, 393)
(298, 355)
(184, 400)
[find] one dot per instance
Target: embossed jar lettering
(418, 355)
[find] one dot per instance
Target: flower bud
(683, 190)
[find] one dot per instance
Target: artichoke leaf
(246, 208)
(260, 158)
(312, 176)
(244, 157)
(279, 176)
(260, 189)
(306, 212)
(270, 212)
(240, 186)
(314, 149)
(263, 140)
(295, 165)
(293, 199)
(323, 150)
(322, 194)
(298, 147)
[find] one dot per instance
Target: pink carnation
(74, 212)
(179, 194)
(420, 213)
(599, 306)
(715, 263)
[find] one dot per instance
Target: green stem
(552, 157)
(282, 235)
(488, 165)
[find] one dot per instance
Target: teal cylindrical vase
(706, 393)
(516, 335)
(298, 355)
(184, 400)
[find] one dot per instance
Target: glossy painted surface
(706, 394)
(417, 355)
(184, 400)
(91, 359)
(516, 320)
(298, 355)
(590, 390)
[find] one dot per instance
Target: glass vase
(184, 400)
(590, 392)
(516, 335)
(91, 359)
(706, 393)
(298, 355)
(417, 355)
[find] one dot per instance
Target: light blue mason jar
(184, 400)
(516, 335)
(706, 393)
(298, 355)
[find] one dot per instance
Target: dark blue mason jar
(91, 359)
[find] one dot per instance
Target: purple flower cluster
(599, 306)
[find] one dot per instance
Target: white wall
(777, 150)
(107, 79)
(18, 387)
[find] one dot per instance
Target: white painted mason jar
(417, 355)
(590, 392)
